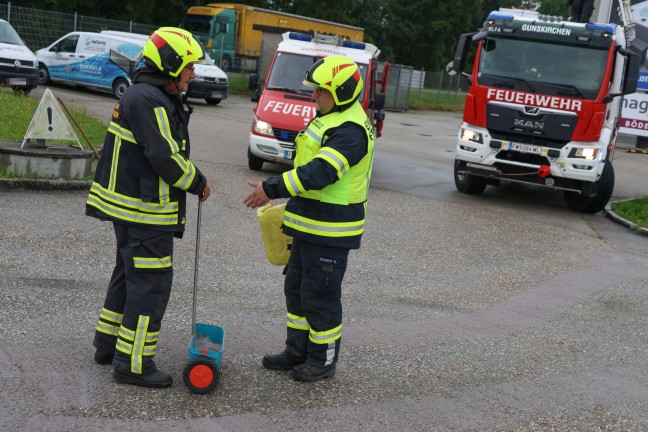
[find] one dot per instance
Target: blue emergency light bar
(610, 28)
(501, 16)
(300, 37)
(357, 45)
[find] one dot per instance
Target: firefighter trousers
(137, 297)
(313, 290)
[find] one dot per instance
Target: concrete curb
(45, 184)
(618, 219)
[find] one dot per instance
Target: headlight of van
(263, 128)
(199, 78)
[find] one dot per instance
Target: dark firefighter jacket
(144, 170)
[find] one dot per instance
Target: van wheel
(594, 204)
(119, 87)
(213, 101)
(254, 163)
(43, 74)
(467, 183)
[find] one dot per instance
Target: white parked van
(18, 65)
(97, 60)
(210, 82)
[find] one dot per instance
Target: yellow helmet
(338, 74)
(170, 49)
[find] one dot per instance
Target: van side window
(67, 45)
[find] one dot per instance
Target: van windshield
(289, 70)
(8, 35)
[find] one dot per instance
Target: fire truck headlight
(263, 128)
(471, 135)
(584, 153)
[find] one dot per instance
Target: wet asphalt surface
(502, 312)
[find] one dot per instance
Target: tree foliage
(418, 33)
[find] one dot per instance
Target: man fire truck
(544, 104)
(285, 106)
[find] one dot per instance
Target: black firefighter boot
(153, 377)
(294, 354)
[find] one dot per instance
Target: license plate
(216, 95)
(524, 148)
(17, 81)
(288, 154)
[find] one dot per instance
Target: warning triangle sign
(49, 122)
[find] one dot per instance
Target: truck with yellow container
(233, 33)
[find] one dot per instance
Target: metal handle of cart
(195, 286)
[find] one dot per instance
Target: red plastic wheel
(201, 376)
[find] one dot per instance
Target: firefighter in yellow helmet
(140, 185)
(325, 216)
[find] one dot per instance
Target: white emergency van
(96, 60)
(18, 65)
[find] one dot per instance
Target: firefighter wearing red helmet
(140, 185)
(325, 215)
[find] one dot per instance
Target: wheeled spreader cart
(207, 342)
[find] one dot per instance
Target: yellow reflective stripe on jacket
(132, 209)
(297, 322)
(165, 129)
(326, 229)
(152, 263)
(292, 182)
(112, 181)
(335, 158)
(326, 336)
(121, 132)
(189, 170)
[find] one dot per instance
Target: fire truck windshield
(289, 70)
(543, 67)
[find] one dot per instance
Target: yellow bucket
(276, 243)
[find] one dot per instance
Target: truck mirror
(449, 69)
(222, 28)
(379, 101)
(631, 73)
(462, 52)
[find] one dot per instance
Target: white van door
(60, 56)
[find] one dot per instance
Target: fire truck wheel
(466, 183)
(596, 203)
(254, 163)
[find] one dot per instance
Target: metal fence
(39, 28)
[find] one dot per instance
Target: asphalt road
(500, 312)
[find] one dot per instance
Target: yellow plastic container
(276, 243)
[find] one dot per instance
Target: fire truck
(284, 104)
(544, 104)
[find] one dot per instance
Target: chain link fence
(39, 28)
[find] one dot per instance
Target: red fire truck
(285, 106)
(543, 106)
